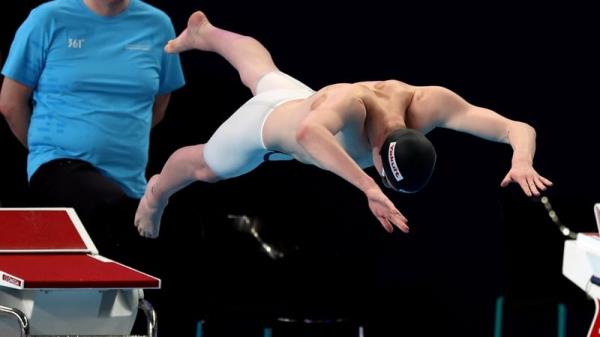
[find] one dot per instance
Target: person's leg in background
(104, 209)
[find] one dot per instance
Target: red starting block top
(43, 230)
(44, 271)
(50, 248)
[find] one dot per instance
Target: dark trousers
(105, 210)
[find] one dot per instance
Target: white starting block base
(51, 312)
(581, 265)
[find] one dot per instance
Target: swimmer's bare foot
(149, 212)
(193, 36)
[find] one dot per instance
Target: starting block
(581, 265)
(54, 282)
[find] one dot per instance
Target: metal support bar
(21, 317)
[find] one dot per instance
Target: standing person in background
(85, 81)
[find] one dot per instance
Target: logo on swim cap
(392, 161)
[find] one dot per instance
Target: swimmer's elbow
(307, 133)
(303, 132)
(520, 129)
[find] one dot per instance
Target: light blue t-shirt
(94, 79)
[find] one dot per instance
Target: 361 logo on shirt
(76, 43)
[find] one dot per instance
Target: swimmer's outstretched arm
(453, 112)
(316, 137)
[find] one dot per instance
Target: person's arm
(316, 137)
(16, 108)
(159, 108)
(451, 111)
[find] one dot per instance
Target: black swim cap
(408, 159)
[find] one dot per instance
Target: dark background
(471, 242)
